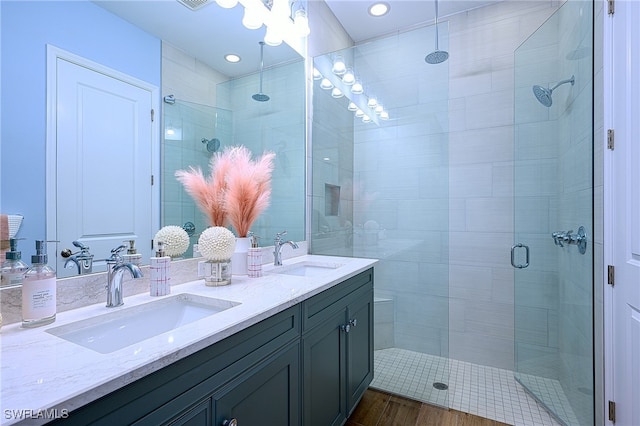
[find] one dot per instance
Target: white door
(625, 192)
(104, 163)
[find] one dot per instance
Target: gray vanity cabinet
(337, 347)
(309, 364)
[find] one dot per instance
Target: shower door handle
(513, 255)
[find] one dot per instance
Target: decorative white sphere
(217, 243)
(174, 238)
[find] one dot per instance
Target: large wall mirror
(163, 44)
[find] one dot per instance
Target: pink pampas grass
(237, 190)
(248, 188)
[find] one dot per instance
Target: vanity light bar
(194, 4)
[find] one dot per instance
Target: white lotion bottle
(39, 290)
(254, 259)
(160, 272)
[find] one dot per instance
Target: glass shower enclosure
(553, 202)
(380, 190)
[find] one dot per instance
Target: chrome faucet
(83, 260)
(115, 269)
(278, 243)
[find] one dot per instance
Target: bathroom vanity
(295, 347)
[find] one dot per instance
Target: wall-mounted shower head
(543, 95)
(212, 144)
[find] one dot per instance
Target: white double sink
(115, 330)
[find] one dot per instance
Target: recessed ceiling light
(230, 57)
(379, 9)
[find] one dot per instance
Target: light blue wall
(79, 27)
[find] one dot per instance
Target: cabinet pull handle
(231, 422)
(353, 322)
(345, 328)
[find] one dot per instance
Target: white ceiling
(354, 16)
(211, 32)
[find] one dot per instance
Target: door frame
(53, 54)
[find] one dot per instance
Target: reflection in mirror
(124, 37)
(193, 133)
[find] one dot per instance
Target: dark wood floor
(382, 409)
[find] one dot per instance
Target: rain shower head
(437, 56)
(543, 95)
(261, 97)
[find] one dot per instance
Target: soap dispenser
(160, 273)
(39, 290)
(254, 258)
(13, 268)
(132, 255)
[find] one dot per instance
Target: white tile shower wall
(481, 114)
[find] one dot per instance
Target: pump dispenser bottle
(160, 276)
(13, 268)
(254, 258)
(39, 290)
(132, 255)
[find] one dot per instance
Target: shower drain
(440, 386)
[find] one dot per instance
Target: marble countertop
(41, 372)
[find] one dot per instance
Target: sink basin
(307, 269)
(116, 330)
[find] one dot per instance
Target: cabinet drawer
(321, 307)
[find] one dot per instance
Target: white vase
(240, 256)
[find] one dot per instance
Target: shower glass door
(380, 189)
(553, 209)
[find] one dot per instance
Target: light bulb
(337, 93)
(301, 23)
(349, 77)
(357, 88)
(379, 109)
(227, 4)
(326, 84)
(316, 74)
(339, 67)
(272, 37)
(359, 113)
(372, 102)
(252, 18)
(384, 115)
(366, 119)
(352, 106)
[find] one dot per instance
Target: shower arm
(436, 24)
(261, 63)
(560, 83)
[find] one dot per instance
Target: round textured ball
(217, 243)
(174, 238)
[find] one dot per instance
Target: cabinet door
(266, 395)
(359, 347)
(199, 415)
(324, 365)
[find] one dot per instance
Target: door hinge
(612, 411)
(612, 6)
(610, 139)
(153, 114)
(611, 275)
(151, 180)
